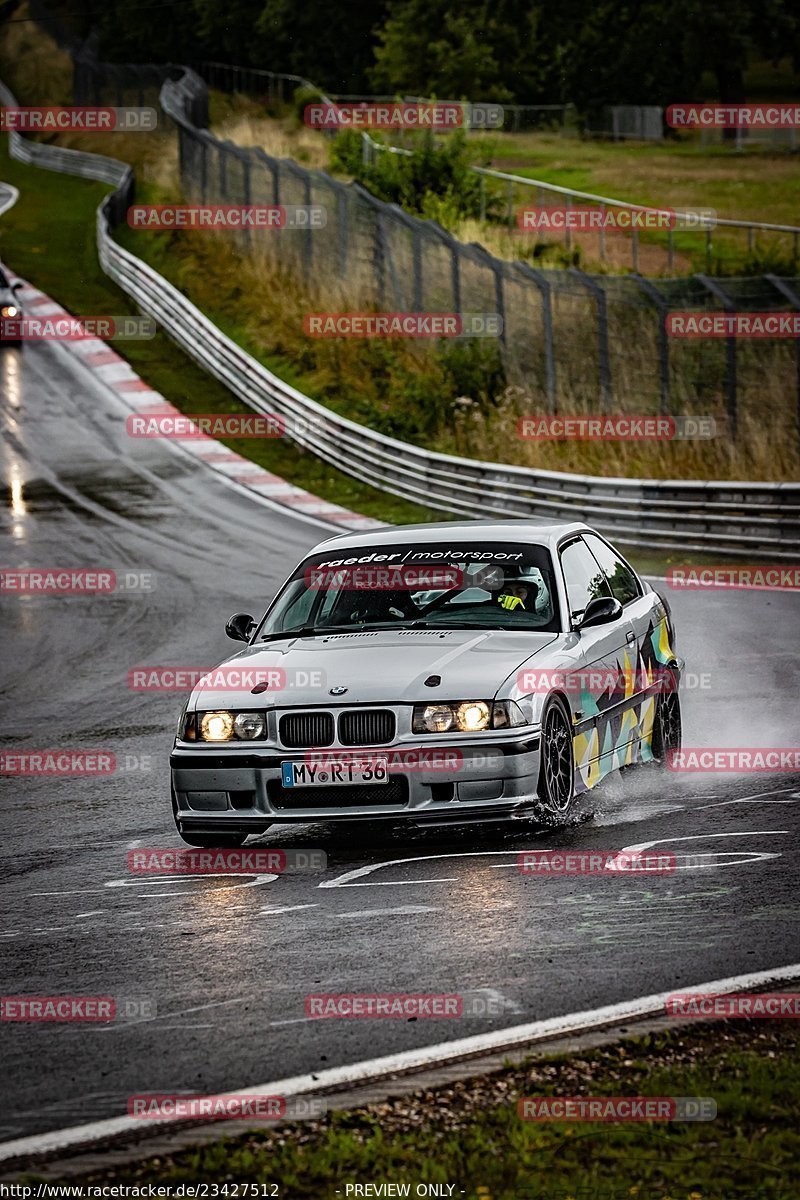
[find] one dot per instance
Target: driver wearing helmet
(512, 590)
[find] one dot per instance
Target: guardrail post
(604, 362)
(730, 351)
(547, 330)
(455, 270)
(203, 168)
(660, 303)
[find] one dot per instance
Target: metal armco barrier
(758, 519)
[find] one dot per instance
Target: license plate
(336, 774)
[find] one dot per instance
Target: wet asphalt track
(228, 962)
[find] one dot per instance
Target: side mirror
(16, 287)
(239, 627)
(600, 611)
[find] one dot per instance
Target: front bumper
(231, 788)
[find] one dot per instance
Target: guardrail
(760, 519)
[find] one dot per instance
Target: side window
(622, 581)
(582, 576)
(299, 607)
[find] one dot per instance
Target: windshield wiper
(322, 631)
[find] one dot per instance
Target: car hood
(382, 667)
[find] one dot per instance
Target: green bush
(434, 180)
(302, 97)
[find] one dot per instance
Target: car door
(649, 648)
(602, 731)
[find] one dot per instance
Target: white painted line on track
(411, 911)
(425, 1057)
(274, 912)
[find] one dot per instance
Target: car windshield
(3, 281)
(470, 585)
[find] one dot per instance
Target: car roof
(532, 532)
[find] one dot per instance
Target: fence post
(793, 298)
(660, 303)
(604, 362)
(341, 219)
(730, 351)
(547, 329)
(416, 251)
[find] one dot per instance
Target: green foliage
(434, 180)
(302, 97)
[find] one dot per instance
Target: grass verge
(469, 1134)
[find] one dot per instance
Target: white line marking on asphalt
(758, 796)
(494, 1041)
(360, 872)
(410, 911)
(96, 912)
(274, 912)
(626, 851)
(170, 1016)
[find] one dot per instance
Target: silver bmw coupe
(446, 672)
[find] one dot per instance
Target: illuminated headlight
(473, 715)
(466, 716)
(8, 310)
(216, 726)
(249, 726)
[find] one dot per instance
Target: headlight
(8, 310)
(466, 716)
(249, 726)
(225, 726)
(473, 715)
(216, 726)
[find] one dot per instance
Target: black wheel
(557, 770)
(214, 841)
(667, 725)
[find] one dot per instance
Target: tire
(214, 841)
(667, 723)
(557, 770)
